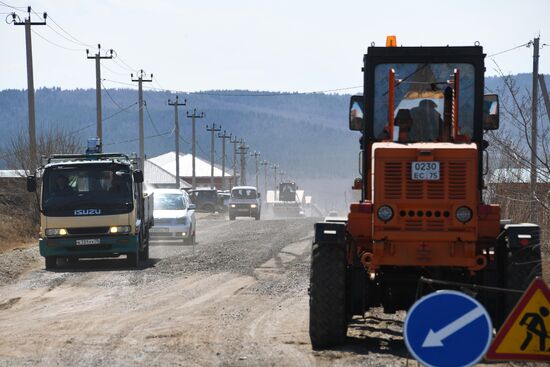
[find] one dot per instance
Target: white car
(174, 217)
(244, 202)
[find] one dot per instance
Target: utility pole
(544, 92)
(256, 155)
(266, 167)
(234, 142)
(275, 167)
(98, 58)
(243, 151)
(223, 137)
(176, 103)
(214, 130)
(30, 82)
(534, 100)
(194, 116)
(140, 80)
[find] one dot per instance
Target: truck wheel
(257, 216)
(144, 254)
(327, 296)
(231, 216)
(51, 262)
(133, 259)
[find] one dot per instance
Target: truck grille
(398, 184)
(81, 231)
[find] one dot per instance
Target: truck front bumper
(108, 246)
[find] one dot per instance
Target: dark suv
(206, 199)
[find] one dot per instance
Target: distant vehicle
(92, 205)
(287, 200)
(205, 199)
(244, 202)
(223, 200)
(174, 217)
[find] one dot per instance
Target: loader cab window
(422, 94)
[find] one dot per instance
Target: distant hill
(306, 134)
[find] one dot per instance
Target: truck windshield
(169, 202)
(419, 90)
(243, 194)
(87, 189)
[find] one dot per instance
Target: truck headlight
(119, 229)
(385, 213)
(463, 214)
(51, 232)
(253, 206)
(233, 205)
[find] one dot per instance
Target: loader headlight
(385, 213)
(463, 214)
(52, 232)
(253, 206)
(119, 229)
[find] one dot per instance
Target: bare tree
(512, 146)
(17, 154)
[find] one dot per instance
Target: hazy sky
(278, 45)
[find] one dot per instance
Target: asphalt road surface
(238, 299)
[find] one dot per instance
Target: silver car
(174, 217)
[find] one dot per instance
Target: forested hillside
(306, 134)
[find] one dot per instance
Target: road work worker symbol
(534, 322)
(525, 335)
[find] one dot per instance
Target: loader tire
(51, 262)
(524, 265)
(327, 296)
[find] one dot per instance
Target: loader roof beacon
(421, 214)
(92, 205)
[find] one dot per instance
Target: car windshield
(105, 187)
(243, 194)
(419, 100)
(170, 201)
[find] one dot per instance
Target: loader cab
(423, 95)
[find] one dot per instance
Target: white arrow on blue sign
(447, 328)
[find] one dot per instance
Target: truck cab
(92, 205)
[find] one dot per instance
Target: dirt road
(239, 299)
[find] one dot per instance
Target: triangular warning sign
(525, 335)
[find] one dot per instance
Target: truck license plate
(425, 171)
(88, 241)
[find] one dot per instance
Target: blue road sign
(447, 328)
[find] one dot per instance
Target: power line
(55, 44)
(149, 115)
(18, 8)
(511, 49)
(109, 95)
(70, 35)
(106, 118)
